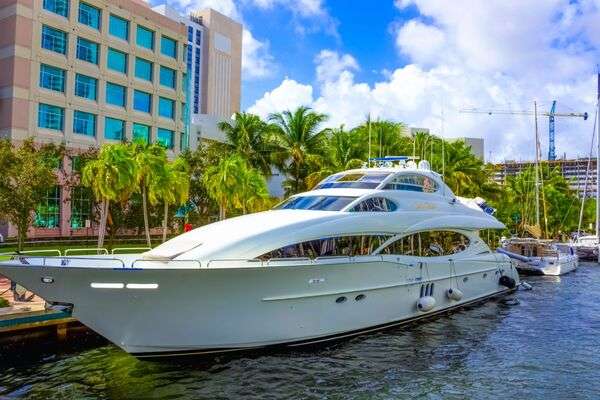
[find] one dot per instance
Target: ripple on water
(546, 346)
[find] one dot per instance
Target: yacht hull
(552, 266)
(165, 312)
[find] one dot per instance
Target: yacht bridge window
(428, 244)
(412, 183)
(375, 204)
(322, 203)
(356, 180)
(358, 245)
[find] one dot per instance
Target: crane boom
(551, 148)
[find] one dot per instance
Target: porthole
(341, 299)
(485, 275)
(465, 279)
(360, 297)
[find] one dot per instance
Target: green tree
(112, 178)
(250, 138)
(299, 143)
(27, 174)
(172, 187)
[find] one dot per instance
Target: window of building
(412, 183)
(428, 244)
(87, 50)
(60, 7)
(141, 133)
(198, 37)
(167, 77)
(89, 15)
(118, 27)
(165, 137)
(168, 47)
(142, 101)
(114, 129)
(81, 206)
(349, 246)
(52, 78)
(51, 117)
(117, 61)
(86, 86)
(166, 108)
(54, 40)
(84, 123)
(47, 213)
(321, 203)
(359, 180)
(375, 204)
(144, 37)
(190, 34)
(116, 94)
(143, 69)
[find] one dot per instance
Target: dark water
(545, 347)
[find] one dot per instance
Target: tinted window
(375, 204)
(323, 203)
(54, 40)
(413, 183)
(429, 244)
(361, 180)
(89, 15)
(118, 27)
(52, 78)
(117, 60)
(330, 247)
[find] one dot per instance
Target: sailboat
(534, 255)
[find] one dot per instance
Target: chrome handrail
(129, 248)
(64, 261)
(141, 260)
(98, 251)
(15, 253)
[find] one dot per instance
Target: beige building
(84, 73)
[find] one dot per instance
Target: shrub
(3, 302)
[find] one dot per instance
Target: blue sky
(413, 60)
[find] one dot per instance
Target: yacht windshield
(359, 180)
(322, 203)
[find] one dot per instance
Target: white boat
(540, 257)
(366, 249)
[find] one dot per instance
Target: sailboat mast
(598, 166)
(537, 168)
(369, 127)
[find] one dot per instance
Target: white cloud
(225, 7)
(305, 8)
(257, 62)
(469, 53)
(287, 96)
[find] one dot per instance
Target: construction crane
(550, 114)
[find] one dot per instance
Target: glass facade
(118, 27)
(167, 77)
(47, 213)
(87, 50)
(84, 123)
(51, 117)
(141, 132)
(143, 69)
(166, 108)
(142, 101)
(81, 206)
(144, 37)
(168, 47)
(190, 33)
(86, 86)
(197, 81)
(117, 61)
(54, 40)
(116, 94)
(114, 129)
(165, 137)
(89, 15)
(52, 78)
(60, 7)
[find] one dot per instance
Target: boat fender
(425, 303)
(454, 294)
(525, 286)
(507, 281)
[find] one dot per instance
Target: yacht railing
(166, 262)
(98, 251)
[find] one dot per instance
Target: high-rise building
(85, 73)
(214, 63)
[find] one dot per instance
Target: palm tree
(173, 187)
(252, 190)
(250, 138)
(222, 180)
(111, 177)
(150, 160)
(299, 143)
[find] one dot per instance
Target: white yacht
(539, 256)
(365, 249)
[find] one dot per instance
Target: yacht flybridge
(365, 249)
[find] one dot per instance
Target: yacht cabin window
(359, 245)
(428, 244)
(322, 203)
(375, 204)
(356, 180)
(412, 183)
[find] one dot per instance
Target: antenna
(369, 127)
